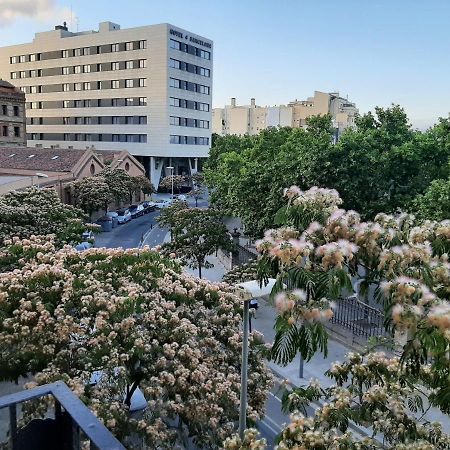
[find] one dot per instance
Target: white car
(181, 197)
(124, 216)
(163, 204)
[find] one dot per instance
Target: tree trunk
(199, 270)
(196, 202)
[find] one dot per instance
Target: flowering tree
(178, 181)
(129, 319)
(119, 183)
(91, 194)
(196, 234)
(315, 255)
(197, 179)
(39, 211)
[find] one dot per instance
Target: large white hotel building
(146, 89)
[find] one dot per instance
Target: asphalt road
(129, 234)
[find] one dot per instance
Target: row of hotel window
(5, 131)
(189, 104)
(135, 138)
(15, 110)
(190, 140)
(188, 67)
(189, 86)
(82, 51)
(188, 122)
(94, 120)
(191, 49)
(89, 103)
(85, 68)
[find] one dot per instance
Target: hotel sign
(190, 38)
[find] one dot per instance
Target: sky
(376, 52)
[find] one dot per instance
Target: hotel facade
(147, 90)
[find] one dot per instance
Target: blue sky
(375, 51)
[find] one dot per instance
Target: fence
(242, 255)
(360, 318)
(73, 422)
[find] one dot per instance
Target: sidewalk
(213, 274)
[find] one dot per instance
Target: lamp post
(40, 175)
(248, 291)
(171, 174)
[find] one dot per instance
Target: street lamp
(40, 175)
(171, 173)
(248, 291)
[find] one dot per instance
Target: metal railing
(73, 421)
(360, 318)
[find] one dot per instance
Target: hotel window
(66, 136)
(23, 74)
(66, 87)
(35, 105)
(129, 65)
(175, 64)
(175, 44)
(66, 121)
(86, 68)
(87, 103)
(128, 46)
(100, 85)
(77, 69)
(202, 141)
(129, 102)
(115, 66)
(142, 44)
(14, 59)
(14, 75)
(86, 51)
(35, 89)
(204, 54)
(115, 102)
(115, 47)
(87, 86)
(78, 103)
(87, 120)
(129, 83)
(66, 104)
(174, 120)
(77, 87)
(22, 58)
(142, 101)
(79, 137)
(88, 137)
(142, 82)
(142, 120)
(174, 101)
(115, 84)
(77, 52)
(174, 83)
(35, 57)
(65, 53)
(35, 73)
(65, 70)
(142, 63)
(35, 136)
(99, 68)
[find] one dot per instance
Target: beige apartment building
(12, 115)
(251, 119)
(145, 89)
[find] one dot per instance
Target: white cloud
(40, 10)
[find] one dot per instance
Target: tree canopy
(380, 166)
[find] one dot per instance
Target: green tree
(177, 180)
(39, 212)
(119, 183)
(434, 204)
(196, 193)
(198, 233)
(168, 216)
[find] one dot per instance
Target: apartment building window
(77, 69)
(202, 106)
(174, 120)
(22, 58)
(79, 137)
(175, 44)
(142, 101)
(66, 136)
(66, 87)
(35, 89)
(79, 121)
(14, 59)
(115, 84)
(204, 54)
(142, 44)
(115, 102)
(175, 64)
(78, 86)
(86, 68)
(86, 51)
(22, 74)
(36, 105)
(35, 136)
(65, 53)
(5, 110)
(142, 63)
(23, 89)
(203, 89)
(78, 103)
(35, 73)
(115, 47)
(129, 65)
(129, 101)
(66, 104)
(202, 141)
(4, 130)
(129, 83)
(100, 85)
(115, 66)
(14, 75)
(66, 121)
(99, 68)
(16, 132)
(65, 70)
(35, 57)
(128, 46)
(78, 52)
(87, 86)
(142, 120)
(87, 103)
(142, 82)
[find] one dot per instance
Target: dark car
(148, 207)
(136, 211)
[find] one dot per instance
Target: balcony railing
(73, 424)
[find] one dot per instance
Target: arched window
(127, 167)
(92, 169)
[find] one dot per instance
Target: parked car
(106, 222)
(163, 204)
(123, 215)
(88, 241)
(148, 207)
(136, 211)
(114, 216)
(180, 197)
